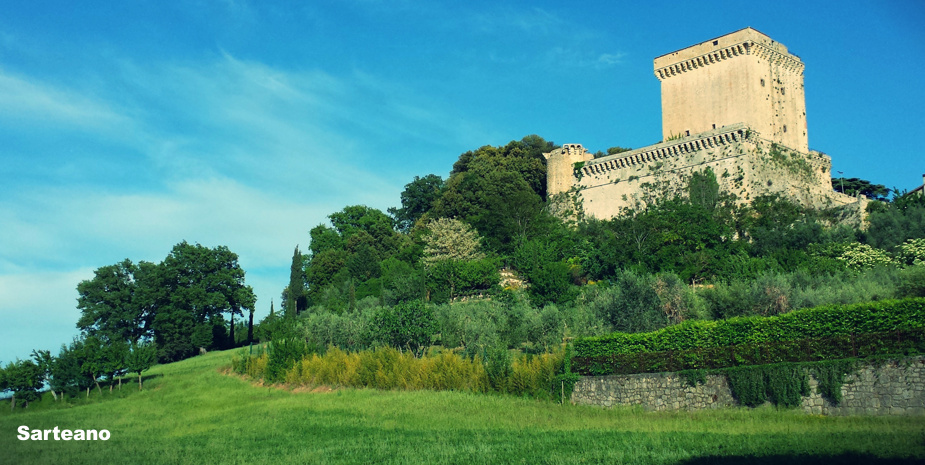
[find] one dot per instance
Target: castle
(734, 104)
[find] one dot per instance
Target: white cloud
(229, 152)
(25, 102)
(38, 310)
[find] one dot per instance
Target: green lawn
(191, 413)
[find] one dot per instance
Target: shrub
(408, 325)
(855, 255)
(912, 252)
(819, 322)
(912, 282)
(782, 384)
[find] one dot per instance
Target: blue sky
(127, 127)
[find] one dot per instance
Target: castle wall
(734, 104)
(886, 388)
(560, 167)
(742, 77)
(745, 164)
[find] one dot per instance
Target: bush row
(763, 353)
(814, 323)
(502, 371)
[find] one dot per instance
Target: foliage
(819, 322)
(416, 200)
(856, 256)
(140, 358)
(447, 279)
(782, 384)
(118, 303)
(912, 252)
(409, 325)
(855, 186)
(912, 283)
(451, 239)
(831, 374)
(896, 222)
(703, 189)
(23, 378)
(295, 296)
(211, 407)
(178, 302)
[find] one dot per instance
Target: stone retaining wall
(885, 388)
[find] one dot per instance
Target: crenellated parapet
(701, 61)
(762, 51)
(784, 60)
(671, 149)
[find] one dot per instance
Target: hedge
(863, 345)
(828, 321)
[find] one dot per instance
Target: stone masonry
(734, 104)
(887, 388)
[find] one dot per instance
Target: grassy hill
(190, 412)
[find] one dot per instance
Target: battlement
(742, 77)
(671, 65)
(670, 149)
(734, 104)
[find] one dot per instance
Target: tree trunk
(120, 383)
(231, 333)
(139, 380)
(98, 388)
(88, 392)
(53, 394)
(250, 328)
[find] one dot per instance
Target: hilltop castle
(734, 104)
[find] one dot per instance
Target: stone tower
(733, 104)
(561, 167)
(741, 77)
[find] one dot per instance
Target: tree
(66, 376)
(112, 361)
(417, 198)
(451, 239)
(703, 189)
(855, 186)
(353, 219)
(92, 364)
(296, 298)
(196, 286)
(139, 358)
(409, 325)
(617, 149)
(4, 381)
(23, 378)
(113, 305)
(44, 360)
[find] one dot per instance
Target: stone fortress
(734, 104)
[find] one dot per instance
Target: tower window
(785, 128)
(687, 133)
(783, 91)
(714, 125)
(715, 42)
(762, 82)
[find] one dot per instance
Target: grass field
(192, 413)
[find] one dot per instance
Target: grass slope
(191, 413)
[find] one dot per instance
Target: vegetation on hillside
(191, 413)
(429, 274)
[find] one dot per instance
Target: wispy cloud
(582, 58)
(222, 152)
(25, 102)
